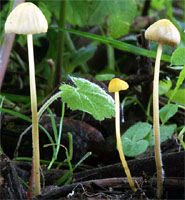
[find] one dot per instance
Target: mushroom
(164, 33)
(115, 86)
(28, 19)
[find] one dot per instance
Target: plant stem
(110, 56)
(119, 143)
(35, 131)
(156, 125)
(180, 137)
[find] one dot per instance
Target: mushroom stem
(156, 125)
(35, 131)
(119, 143)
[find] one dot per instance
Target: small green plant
(57, 134)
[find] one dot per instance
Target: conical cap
(164, 32)
(26, 18)
(116, 84)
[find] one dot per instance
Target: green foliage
(133, 139)
(178, 97)
(166, 131)
(173, 93)
(104, 77)
(180, 137)
(178, 56)
(69, 173)
(120, 16)
(164, 86)
(115, 43)
(157, 4)
(167, 112)
(88, 97)
(17, 114)
(140, 136)
(80, 57)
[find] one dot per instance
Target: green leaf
(120, 17)
(118, 13)
(178, 97)
(132, 149)
(115, 43)
(178, 56)
(166, 131)
(104, 77)
(85, 12)
(164, 86)
(132, 140)
(179, 82)
(157, 4)
(45, 11)
(81, 57)
(167, 112)
(88, 97)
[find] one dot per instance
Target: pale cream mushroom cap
(116, 84)
(164, 32)
(26, 18)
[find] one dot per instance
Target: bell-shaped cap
(116, 84)
(26, 18)
(164, 32)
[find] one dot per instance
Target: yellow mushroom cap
(164, 32)
(26, 18)
(116, 84)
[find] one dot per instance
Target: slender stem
(180, 137)
(111, 59)
(119, 143)
(35, 131)
(156, 125)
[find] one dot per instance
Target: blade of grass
(41, 161)
(70, 145)
(16, 114)
(115, 43)
(56, 134)
(67, 174)
(54, 126)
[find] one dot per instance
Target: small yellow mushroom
(115, 86)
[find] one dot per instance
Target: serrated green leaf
(167, 112)
(132, 140)
(178, 56)
(166, 131)
(88, 97)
